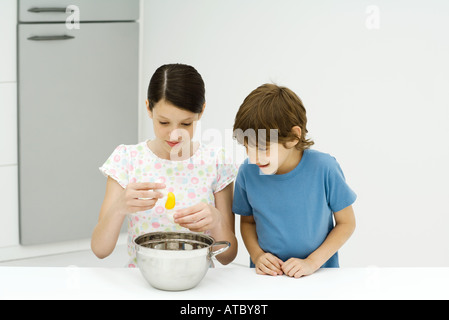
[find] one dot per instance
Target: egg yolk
(170, 204)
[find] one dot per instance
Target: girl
(197, 174)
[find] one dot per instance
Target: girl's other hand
(268, 264)
(140, 196)
(198, 218)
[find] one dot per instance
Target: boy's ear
(296, 130)
(150, 113)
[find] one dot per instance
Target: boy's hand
(266, 263)
(298, 267)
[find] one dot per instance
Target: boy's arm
(344, 227)
(265, 263)
(249, 235)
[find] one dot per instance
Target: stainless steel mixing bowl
(175, 261)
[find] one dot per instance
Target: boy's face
(173, 127)
(270, 159)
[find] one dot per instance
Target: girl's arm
(219, 220)
(226, 229)
(117, 203)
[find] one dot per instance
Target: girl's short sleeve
(226, 171)
(116, 166)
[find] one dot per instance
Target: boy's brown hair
(271, 107)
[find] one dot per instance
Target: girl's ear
(201, 114)
(150, 113)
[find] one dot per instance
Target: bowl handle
(220, 243)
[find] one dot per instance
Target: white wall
(376, 99)
(9, 214)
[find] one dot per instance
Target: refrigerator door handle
(50, 38)
(39, 10)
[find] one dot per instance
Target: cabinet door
(89, 10)
(78, 93)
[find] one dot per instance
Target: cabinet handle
(39, 10)
(50, 38)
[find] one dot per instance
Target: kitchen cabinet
(78, 100)
(8, 124)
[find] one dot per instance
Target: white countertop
(226, 283)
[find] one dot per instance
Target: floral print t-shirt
(192, 181)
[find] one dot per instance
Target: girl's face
(174, 127)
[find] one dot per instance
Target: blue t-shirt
(293, 211)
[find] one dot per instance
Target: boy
(287, 194)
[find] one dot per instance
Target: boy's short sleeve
(226, 172)
(338, 193)
(116, 166)
(241, 204)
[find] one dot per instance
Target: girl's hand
(268, 264)
(298, 267)
(140, 197)
(198, 218)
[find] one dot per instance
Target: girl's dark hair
(178, 84)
